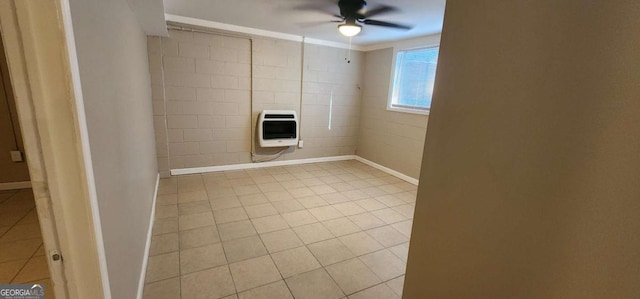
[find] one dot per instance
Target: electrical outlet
(301, 144)
(16, 156)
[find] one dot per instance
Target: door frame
(40, 52)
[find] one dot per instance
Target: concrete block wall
(276, 81)
(332, 95)
(208, 90)
(392, 139)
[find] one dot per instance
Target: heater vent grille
(278, 128)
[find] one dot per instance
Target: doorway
(14, 172)
(22, 255)
(23, 259)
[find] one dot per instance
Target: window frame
(408, 46)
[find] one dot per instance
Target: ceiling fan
(354, 14)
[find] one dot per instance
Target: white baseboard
(145, 260)
(388, 170)
(15, 185)
(258, 165)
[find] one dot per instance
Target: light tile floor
(22, 256)
(324, 230)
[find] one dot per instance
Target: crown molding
(425, 40)
(229, 27)
(428, 39)
(327, 43)
(256, 32)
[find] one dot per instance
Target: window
(413, 78)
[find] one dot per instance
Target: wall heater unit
(278, 128)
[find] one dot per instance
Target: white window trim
(405, 46)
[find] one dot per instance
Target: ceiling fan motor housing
(352, 14)
(349, 9)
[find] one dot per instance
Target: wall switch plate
(301, 144)
(16, 156)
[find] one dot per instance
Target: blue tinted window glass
(415, 76)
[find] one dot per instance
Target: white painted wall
(114, 75)
(390, 138)
(529, 183)
(150, 16)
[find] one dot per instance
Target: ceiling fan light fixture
(349, 29)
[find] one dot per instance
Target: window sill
(409, 110)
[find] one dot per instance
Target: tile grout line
(27, 262)
(290, 228)
(307, 248)
(217, 225)
(21, 218)
(13, 193)
(324, 268)
(224, 252)
(16, 224)
(338, 170)
(265, 248)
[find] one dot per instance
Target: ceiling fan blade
(387, 24)
(380, 9)
(318, 23)
(327, 8)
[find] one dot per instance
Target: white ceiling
(150, 14)
(285, 16)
